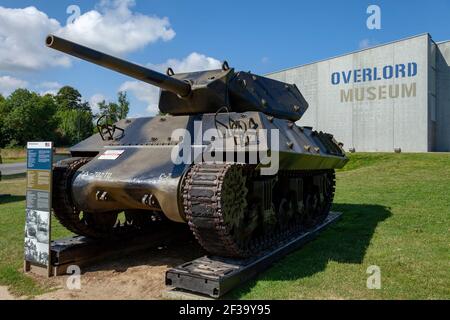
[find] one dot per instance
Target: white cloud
(112, 27)
(94, 100)
(150, 94)
(8, 84)
(143, 92)
(49, 87)
(193, 62)
(52, 92)
(22, 35)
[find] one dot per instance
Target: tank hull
(126, 183)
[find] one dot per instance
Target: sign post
(39, 206)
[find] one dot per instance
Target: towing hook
(101, 195)
(148, 199)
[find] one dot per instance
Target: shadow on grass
(7, 198)
(14, 176)
(345, 242)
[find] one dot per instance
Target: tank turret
(203, 91)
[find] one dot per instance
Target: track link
(206, 206)
(63, 207)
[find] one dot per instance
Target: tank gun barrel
(125, 67)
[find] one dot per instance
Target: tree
(124, 105)
(26, 117)
(3, 114)
(74, 117)
(103, 108)
(115, 111)
(69, 98)
(74, 125)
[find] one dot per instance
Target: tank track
(204, 209)
(101, 225)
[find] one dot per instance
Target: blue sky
(261, 36)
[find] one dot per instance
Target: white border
(39, 145)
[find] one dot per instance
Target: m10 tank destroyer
(254, 182)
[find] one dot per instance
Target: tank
(224, 156)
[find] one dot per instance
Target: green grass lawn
(396, 216)
(12, 224)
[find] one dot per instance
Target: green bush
(63, 118)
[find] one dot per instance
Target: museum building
(391, 97)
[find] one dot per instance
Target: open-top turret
(203, 91)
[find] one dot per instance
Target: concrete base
(215, 276)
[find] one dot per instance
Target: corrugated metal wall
(443, 97)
